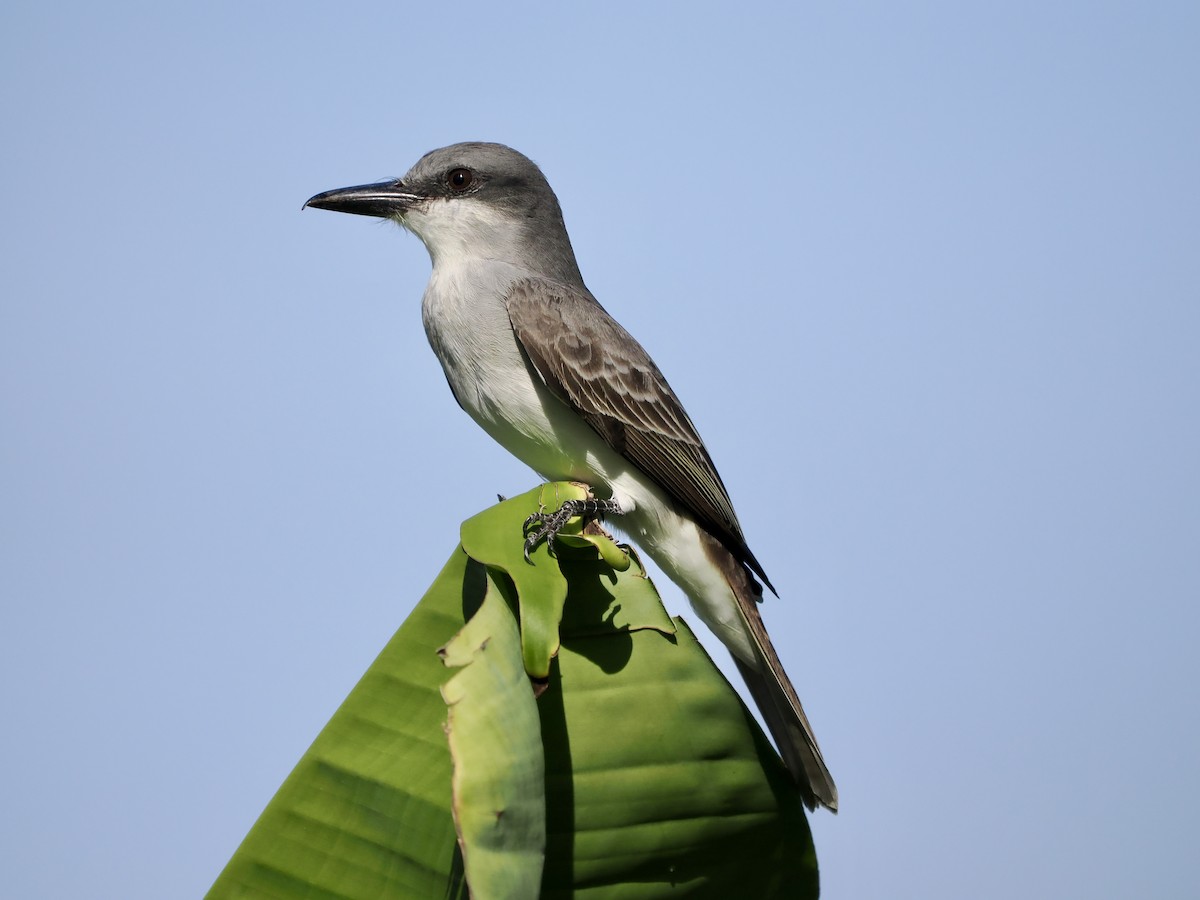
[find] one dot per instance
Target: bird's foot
(546, 526)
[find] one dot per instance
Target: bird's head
(471, 200)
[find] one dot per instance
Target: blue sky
(925, 275)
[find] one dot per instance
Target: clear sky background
(926, 275)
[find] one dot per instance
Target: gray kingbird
(534, 359)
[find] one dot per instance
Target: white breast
(468, 327)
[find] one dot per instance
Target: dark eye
(460, 179)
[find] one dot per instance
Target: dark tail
(776, 699)
(773, 692)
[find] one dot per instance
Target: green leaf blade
(655, 780)
(496, 745)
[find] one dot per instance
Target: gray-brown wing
(588, 360)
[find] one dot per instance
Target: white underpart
(469, 329)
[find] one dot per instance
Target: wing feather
(593, 364)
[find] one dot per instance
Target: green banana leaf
(539, 729)
(499, 797)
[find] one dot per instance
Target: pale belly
(494, 382)
(497, 386)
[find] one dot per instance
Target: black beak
(382, 200)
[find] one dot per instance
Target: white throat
(456, 231)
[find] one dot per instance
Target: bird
(537, 362)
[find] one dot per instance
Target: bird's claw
(548, 525)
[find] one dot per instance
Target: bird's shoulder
(587, 359)
(582, 352)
